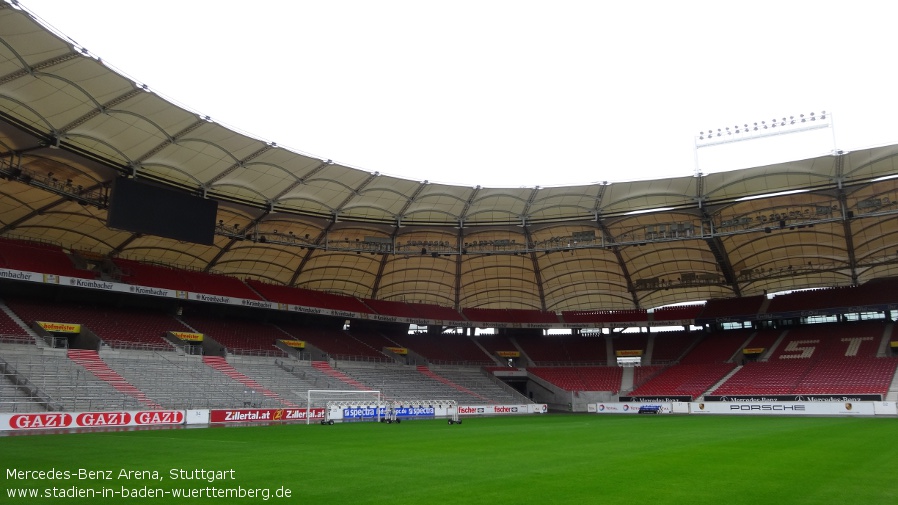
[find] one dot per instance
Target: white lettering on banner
(82, 283)
(17, 275)
(257, 303)
(103, 419)
(247, 416)
(140, 290)
(804, 398)
(257, 415)
(160, 417)
(211, 298)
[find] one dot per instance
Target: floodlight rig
(756, 130)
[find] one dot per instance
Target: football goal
(391, 411)
(318, 400)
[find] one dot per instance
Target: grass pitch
(552, 459)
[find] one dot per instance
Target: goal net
(318, 402)
(391, 411)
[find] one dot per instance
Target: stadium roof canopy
(69, 126)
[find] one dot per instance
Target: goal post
(317, 400)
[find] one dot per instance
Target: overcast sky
(509, 93)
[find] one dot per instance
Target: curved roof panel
(70, 125)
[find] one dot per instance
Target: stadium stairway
(892, 393)
(14, 323)
(429, 373)
(325, 368)
(91, 361)
(722, 381)
(222, 365)
(884, 349)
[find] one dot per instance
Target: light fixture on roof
(757, 129)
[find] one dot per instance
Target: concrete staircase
(222, 365)
(91, 361)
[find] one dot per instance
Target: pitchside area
(554, 459)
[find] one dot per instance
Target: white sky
(509, 93)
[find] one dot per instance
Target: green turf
(552, 459)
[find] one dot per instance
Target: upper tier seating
(604, 316)
(157, 276)
(732, 307)
(144, 274)
(510, 316)
(678, 313)
(391, 308)
(41, 258)
(308, 297)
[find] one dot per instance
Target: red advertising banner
(154, 417)
(263, 415)
(93, 419)
(38, 421)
